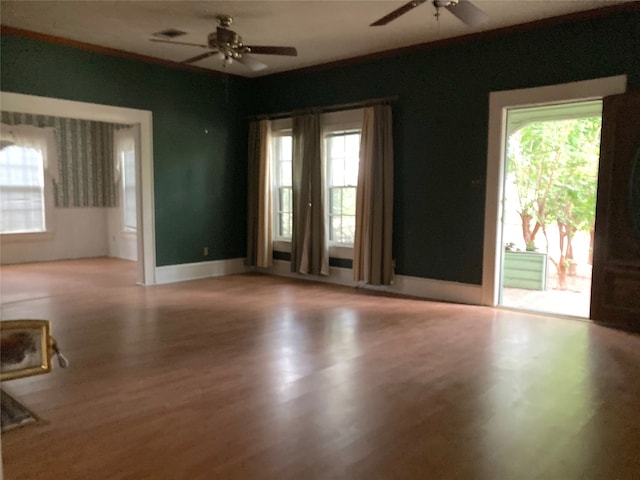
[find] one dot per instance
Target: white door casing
(499, 103)
(15, 102)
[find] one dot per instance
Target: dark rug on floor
(13, 413)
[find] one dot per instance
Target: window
(129, 189)
(340, 156)
(282, 145)
(22, 202)
(125, 162)
(342, 149)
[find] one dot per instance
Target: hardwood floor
(256, 377)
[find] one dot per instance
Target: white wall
(75, 233)
(120, 244)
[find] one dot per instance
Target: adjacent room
(275, 240)
(74, 177)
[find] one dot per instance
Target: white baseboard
(338, 276)
(193, 271)
(434, 289)
(403, 284)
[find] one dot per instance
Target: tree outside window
(554, 167)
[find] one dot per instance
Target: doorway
(145, 241)
(499, 105)
(549, 202)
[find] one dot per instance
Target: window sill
(128, 234)
(26, 237)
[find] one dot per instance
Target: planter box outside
(527, 270)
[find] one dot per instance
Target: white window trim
(128, 234)
(341, 251)
(19, 237)
(282, 246)
(337, 247)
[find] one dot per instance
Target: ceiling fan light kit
(444, 3)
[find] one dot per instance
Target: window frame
(279, 128)
(333, 131)
(123, 193)
(126, 140)
(48, 192)
(344, 120)
(333, 122)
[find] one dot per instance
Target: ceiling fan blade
(266, 50)
(179, 43)
(397, 13)
(199, 57)
(468, 13)
(224, 35)
(251, 63)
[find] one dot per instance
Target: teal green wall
(440, 128)
(441, 123)
(199, 178)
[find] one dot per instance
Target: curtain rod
(327, 108)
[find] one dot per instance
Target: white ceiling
(322, 31)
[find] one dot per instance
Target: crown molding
(89, 47)
(630, 7)
(468, 38)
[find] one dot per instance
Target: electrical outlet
(205, 251)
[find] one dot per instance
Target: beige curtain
(372, 252)
(259, 243)
(309, 252)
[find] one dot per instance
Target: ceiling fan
(228, 45)
(466, 11)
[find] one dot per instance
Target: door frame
(106, 113)
(499, 103)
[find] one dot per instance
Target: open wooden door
(615, 290)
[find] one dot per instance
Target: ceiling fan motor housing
(230, 49)
(212, 40)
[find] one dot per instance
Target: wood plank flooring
(257, 377)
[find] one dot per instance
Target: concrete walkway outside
(574, 301)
